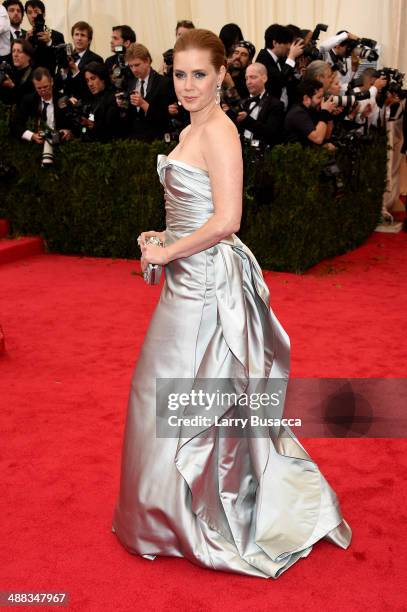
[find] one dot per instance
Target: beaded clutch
(152, 273)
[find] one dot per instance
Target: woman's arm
(221, 149)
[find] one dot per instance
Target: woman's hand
(144, 235)
(151, 253)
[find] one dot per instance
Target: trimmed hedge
(97, 198)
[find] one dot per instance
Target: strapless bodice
(188, 195)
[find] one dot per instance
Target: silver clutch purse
(152, 273)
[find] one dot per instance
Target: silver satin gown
(251, 506)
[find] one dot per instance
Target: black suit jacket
(76, 85)
(23, 35)
(277, 79)
(268, 127)
(30, 108)
(153, 124)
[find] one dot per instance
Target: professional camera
(63, 52)
(74, 112)
(311, 51)
(395, 80)
(124, 97)
(347, 101)
(38, 27)
(5, 71)
(119, 70)
(365, 48)
(51, 139)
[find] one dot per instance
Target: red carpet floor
(73, 329)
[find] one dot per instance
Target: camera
(74, 112)
(395, 80)
(365, 48)
(311, 51)
(124, 97)
(51, 139)
(5, 71)
(347, 101)
(38, 27)
(63, 52)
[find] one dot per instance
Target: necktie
(44, 112)
(142, 89)
(18, 34)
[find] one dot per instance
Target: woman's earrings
(217, 97)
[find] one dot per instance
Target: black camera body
(395, 80)
(5, 71)
(74, 112)
(365, 48)
(38, 28)
(63, 52)
(311, 51)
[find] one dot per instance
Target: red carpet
(73, 329)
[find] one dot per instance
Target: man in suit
(82, 35)
(42, 107)
(41, 37)
(122, 36)
(146, 117)
(15, 10)
(263, 117)
(279, 57)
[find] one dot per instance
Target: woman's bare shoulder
(184, 132)
(221, 130)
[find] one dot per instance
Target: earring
(217, 97)
(179, 103)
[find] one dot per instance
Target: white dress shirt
(28, 134)
(253, 113)
(4, 32)
(138, 87)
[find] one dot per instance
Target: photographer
(122, 37)
(18, 81)
(279, 57)
(144, 105)
(102, 123)
(73, 77)
(42, 107)
(260, 124)
(41, 37)
(337, 51)
(234, 83)
(15, 10)
(307, 122)
(320, 71)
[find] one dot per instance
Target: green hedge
(98, 198)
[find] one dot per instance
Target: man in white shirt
(262, 122)
(42, 107)
(335, 51)
(4, 35)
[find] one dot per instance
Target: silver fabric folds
(250, 505)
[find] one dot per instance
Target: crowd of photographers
(295, 90)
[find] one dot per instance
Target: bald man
(262, 119)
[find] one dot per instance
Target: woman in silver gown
(248, 504)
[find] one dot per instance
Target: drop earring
(217, 97)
